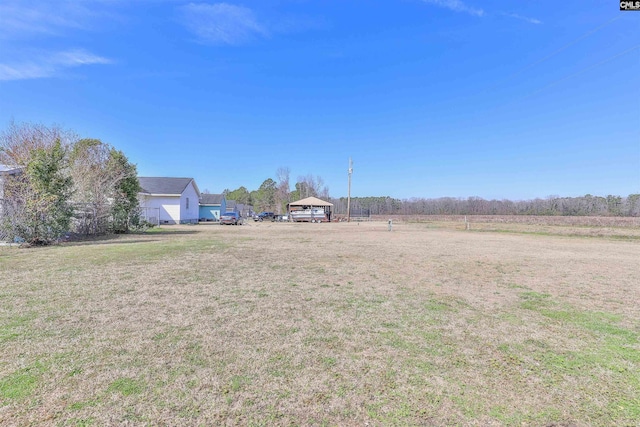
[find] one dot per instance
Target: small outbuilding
(310, 209)
(211, 205)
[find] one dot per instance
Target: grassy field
(325, 324)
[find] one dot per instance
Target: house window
(187, 203)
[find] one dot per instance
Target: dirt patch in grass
(322, 324)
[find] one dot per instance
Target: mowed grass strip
(321, 324)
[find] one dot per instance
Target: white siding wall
(193, 212)
(169, 207)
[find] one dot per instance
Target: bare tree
(312, 186)
(106, 187)
(282, 189)
(19, 141)
(93, 183)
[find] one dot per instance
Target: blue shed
(211, 205)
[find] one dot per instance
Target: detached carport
(310, 204)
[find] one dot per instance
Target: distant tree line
(274, 195)
(587, 205)
(61, 183)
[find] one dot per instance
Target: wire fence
(149, 215)
(360, 214)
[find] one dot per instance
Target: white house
(169, 200)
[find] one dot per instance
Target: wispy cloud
(20, 19)
(27, 26)
(222, 23)
(49, 65)
(459, 6)
(74, 58)
(522, 18)
(456, 6)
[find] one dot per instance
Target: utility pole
(349, 192)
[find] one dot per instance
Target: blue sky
(431, 98)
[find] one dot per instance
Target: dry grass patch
(322, 324)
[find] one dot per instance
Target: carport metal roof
(310, 201)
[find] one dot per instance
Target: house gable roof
(211, 199)
(165, 186)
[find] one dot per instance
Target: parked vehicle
(230, 218)
(262, 216)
